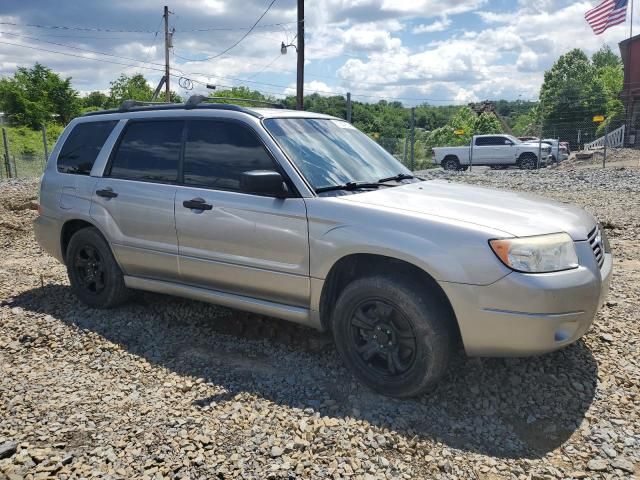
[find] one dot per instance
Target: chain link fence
(25, 151)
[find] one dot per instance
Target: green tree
(243, 93)
(34, 96)
(572, 92)
(467, 122)
(127, 87)
(605, 57)
(97, 100)
(611, 74)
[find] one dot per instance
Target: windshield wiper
(348, 186)
(395, 178)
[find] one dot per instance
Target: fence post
(413, 135)
(579, 137)
(44, 144)
(7, 164)
(15, 167)
(406, 148)
(539, 150)
(349, 107)
(606, 140)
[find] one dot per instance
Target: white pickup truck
(495, 151)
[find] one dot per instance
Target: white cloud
(429, 8)
(437, 26)
(315, 86)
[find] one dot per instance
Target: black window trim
(293, 191)
(107, 169)
(493, 138)
(115, 124)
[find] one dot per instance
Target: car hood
(517, 214)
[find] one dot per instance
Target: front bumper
(530, 314)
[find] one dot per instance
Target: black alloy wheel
(384, 339)
(90, 269)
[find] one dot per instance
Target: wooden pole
(300, 74)
(7, 164)
(167, 88)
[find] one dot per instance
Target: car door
(483, 151)
(240, 243)
(133, 202)
(505, 150)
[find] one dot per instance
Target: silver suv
(301, 216)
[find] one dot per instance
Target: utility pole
(349, 107)
(413, 136)
(167, 88)
(300, 76)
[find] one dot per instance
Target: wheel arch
(70, 228)
(450, 156)
(527, 154)
(358, 265)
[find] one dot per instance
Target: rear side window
(217, 153)
(149, 151)
(79, 152)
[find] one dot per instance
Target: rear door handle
(106, 193)
(197, 204)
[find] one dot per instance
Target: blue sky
(439, 52)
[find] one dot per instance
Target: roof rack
(129, 104)
(195, 100)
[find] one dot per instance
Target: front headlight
(540, 254)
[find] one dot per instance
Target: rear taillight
(39, 209)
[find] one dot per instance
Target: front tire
(528, 162)
(94, 274)
(395, 339)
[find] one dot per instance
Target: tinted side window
(149, 151)
(482, 141)
(79, 152)
(217, 153)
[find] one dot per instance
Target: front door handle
(106, 193)
(197, 204)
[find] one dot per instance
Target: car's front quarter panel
(447, 250)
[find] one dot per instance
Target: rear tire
(95, 276)
(451, 163)
(395, 339)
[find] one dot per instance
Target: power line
(275, 59)
(112, 30)
(73, 47)
(82, 29)
(236, 43)
(207, 75)
(231, 29)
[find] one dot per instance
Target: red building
(630, 96)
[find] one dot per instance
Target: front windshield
(332, 152)
(514, 139)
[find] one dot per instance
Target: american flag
(607, 14)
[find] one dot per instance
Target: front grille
(595, 240)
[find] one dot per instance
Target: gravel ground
(169, 388)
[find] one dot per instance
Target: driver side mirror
(264, 182)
